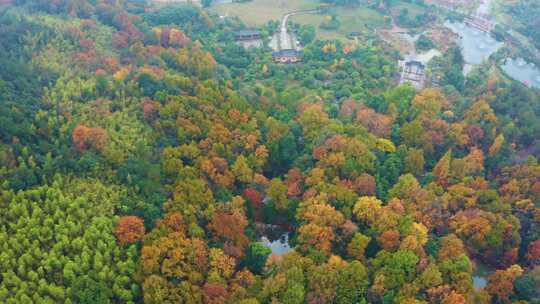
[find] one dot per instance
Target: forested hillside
(144, 155)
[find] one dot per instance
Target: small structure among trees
(285, 44)
(248, 38)
(414, 72)
(287, 56)
(480, 22)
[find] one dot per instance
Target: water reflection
(476, 45)
(278, 246)
(519, 70)
(482, 271)
(479, 282)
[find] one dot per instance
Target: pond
(479, 282)
(482, 271)
(520, 70)
(278, 246)
(476, 45)
(275, 237)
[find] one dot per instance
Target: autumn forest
(147, 157)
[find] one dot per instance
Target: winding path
(286, 41)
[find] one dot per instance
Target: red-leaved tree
(85, 138)
(129, 229)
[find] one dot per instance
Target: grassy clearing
(352, 19)
(414, 9)
(258, 12)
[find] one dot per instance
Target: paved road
(286, 41)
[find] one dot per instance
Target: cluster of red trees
(85, 138)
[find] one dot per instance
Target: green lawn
(414, 9)
(352, 19)
(258, 12)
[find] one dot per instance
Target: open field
(258, 12)
(414, 9)
(352, 19)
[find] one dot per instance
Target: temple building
(414, 72)
(248, 38)
(287, 56)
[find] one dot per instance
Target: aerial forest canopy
(147, 157)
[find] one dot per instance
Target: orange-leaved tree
(129, 229)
